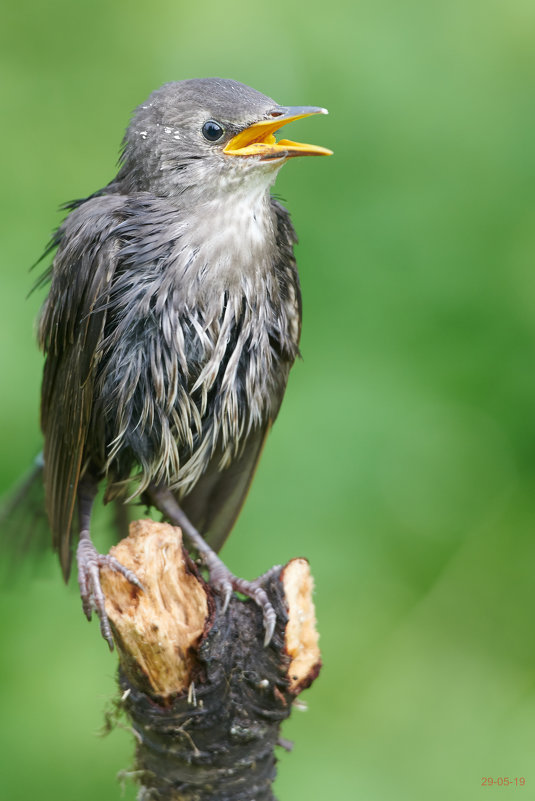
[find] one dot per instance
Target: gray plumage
(173, 317)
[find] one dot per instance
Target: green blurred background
(403, 462)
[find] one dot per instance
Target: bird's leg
(220, 576)
(90, 562)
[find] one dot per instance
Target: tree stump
(204, 696)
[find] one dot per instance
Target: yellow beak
(258, 138)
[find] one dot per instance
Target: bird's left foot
(221, 579)
(90, 562)
(225, 582)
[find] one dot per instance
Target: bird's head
(203, 136)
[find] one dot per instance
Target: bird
(172, 319)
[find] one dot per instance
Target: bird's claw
(226, 590)
(225, 582)
(90, 562)
(114, 564)
(255, 590)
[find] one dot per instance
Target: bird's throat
(233, 235)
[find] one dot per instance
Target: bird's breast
(198, 358)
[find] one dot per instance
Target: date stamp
(503, 781)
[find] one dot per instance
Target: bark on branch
(205, 698)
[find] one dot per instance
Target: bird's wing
(71, 331)
(215, 501)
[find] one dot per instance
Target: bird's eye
(212, 131)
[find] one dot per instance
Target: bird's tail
(25, 534)
(24, 529)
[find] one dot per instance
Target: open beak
(259, 140)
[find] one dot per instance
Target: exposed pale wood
(301, 637)
(159, 628)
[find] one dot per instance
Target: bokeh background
(403, 462)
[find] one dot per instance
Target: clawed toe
(226, 591)
(90, 562)
(254, 590)
(114, 564)
(225, 582)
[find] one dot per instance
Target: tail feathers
(24, 530)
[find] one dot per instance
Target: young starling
(170, 327)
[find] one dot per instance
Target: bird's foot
(90, 562)
(221, 579)
(225, 582)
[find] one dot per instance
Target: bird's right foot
(90, 562)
